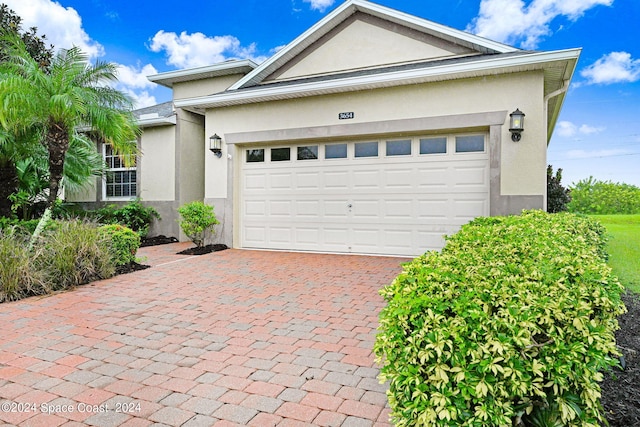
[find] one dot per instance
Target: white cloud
(62, 26)
(513, 21)
(566, 129)
(569, 130)
(133, 81)
(615, 67)
(590, 130)
(197, 50)
(320, 5)
(136, 77)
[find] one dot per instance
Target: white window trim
(104, 179)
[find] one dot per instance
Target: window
(366, 149)
(255, 156)
(433, 145)
(399, 148)
(335, 151)
(121, 180)
(469, 143)
(280, 154)
(309, 152)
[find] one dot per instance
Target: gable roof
(487, 58)
(351, 7)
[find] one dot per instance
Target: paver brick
(223, 339)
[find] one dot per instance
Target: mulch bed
(157, 240)
(130, 268)
(621, 387)
(204, 249)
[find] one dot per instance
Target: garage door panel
(254, 181)
(281, 208)
(255, 208)
(336, 180)
(365, 209)
(399, 179)
(398, 209)
(307, 235)
(393, 205)
(336, 209)
(280, 235)
(430, 178)
(365, 239)
(366, 179)
(280, 181)
(308, 180)
(466, 210)
(468, 177)
(308, 208)
(336, 236)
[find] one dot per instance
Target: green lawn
(624, 247)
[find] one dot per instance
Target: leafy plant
(133, 215)
(197, 221)
(510, 324)
(557, 195)
(73, 253)
(591, 196)
(123, 243)
(18, 278)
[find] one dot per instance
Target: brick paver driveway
(231, 338)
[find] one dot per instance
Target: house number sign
(346, 116)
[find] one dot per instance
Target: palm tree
(63, 104)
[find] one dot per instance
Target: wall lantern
(516, 125)
(215, 145)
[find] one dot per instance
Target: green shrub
(557, 195)
(27, 226)
(73, 253)
(18, 278)
(511, 323)
(591, 196)
(123, 243)
(133, 215)
(197, 221)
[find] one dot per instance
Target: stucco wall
(157, 164)
(523, 164)
(351, 49)
(204, 87)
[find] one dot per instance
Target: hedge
(510, 324)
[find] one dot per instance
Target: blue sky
(598, 131)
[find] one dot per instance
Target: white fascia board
(162, 121)
(444, 31)
(166, 79)
(486, 66)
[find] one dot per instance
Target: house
(373, 132)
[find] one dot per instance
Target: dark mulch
(130, 268)
(204, 249)
(621, 387)
(157, 240)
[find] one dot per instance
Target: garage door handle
(349, 205)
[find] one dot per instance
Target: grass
(624, 247)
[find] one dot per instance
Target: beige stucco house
(374, 132)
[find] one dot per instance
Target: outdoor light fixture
(516, 125)
(215, 145)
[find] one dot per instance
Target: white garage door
(389, 197)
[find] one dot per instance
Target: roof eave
(160, 121)
(225, 68)
(478, 68)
